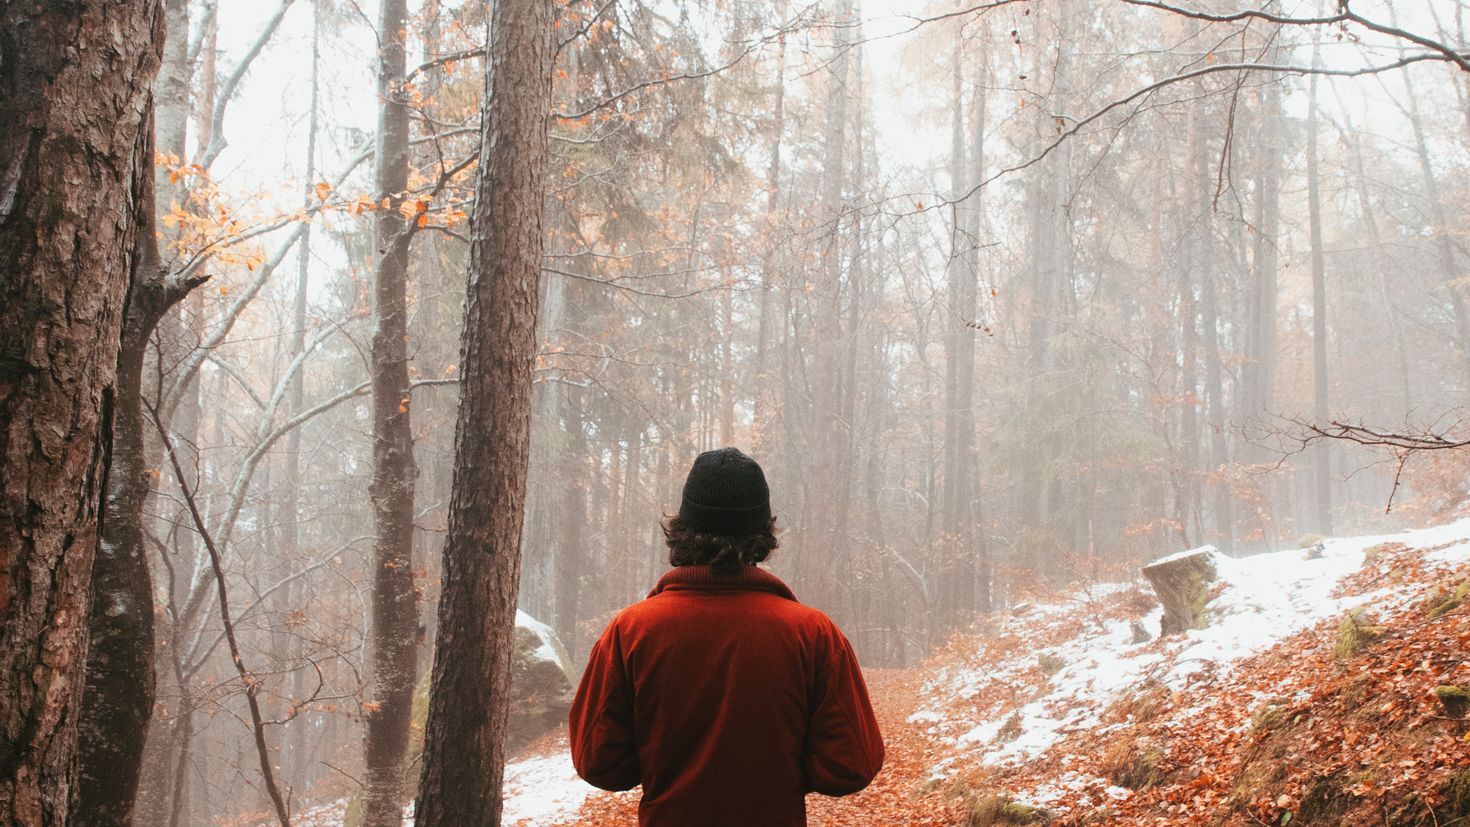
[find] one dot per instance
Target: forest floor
(1330, 687)
(896, 797)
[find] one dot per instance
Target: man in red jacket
(723, 696)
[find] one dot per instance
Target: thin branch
(252, 686)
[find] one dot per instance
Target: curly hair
(725, 555)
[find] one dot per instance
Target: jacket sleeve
(600, 726)
(844, 746)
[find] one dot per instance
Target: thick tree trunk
(117, 702)
(464, 743)
(1189, 467)
(74, 107)
(118, 699)
(395, 612)
(74, 124)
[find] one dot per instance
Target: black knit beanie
(726, 494)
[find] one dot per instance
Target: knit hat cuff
(725, 521)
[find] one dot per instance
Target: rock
(1445, 598)
(1182, 582)
(542, 682)
(1456, 699)
(1140, 634)
(1355, 633)
(994, 810)
(541, 689)
(1049, 664)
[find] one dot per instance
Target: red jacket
(727, 700)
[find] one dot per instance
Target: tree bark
(118, 699)
(464, 744)
(395, 610)
(75, 103)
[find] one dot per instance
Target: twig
(252, 687)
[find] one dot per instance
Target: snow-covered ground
(1265, 598)
(543, 790)
(539, 790)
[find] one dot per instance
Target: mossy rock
(1456, 699)
(1456, 793)
(1315, 545)
(1050, 664)
(1133, 763)
(1354, 634)
(1445, 598)
(1182, 582)
(994, 810)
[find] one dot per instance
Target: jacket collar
(703, 578)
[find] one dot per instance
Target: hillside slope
(1282, 711)
(1312, 697)
(1328, 688)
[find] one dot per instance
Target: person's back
(722, 695)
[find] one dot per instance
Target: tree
(120, 680)
(464, 738)
(75, 120)
(395, 609)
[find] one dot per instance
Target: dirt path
(894, 799)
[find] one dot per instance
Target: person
(722, 695)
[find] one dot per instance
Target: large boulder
(541, 689)
(1183, 582)
(542, 682)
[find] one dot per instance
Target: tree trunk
(464, 743)
(763, 397)
(826, 480)
(1322, 462)
(75, 103)
(957, 576)
(395, 611)
(298, 730)
(118, 699)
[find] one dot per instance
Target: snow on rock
(997, 709)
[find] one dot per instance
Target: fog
(1006, 298)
